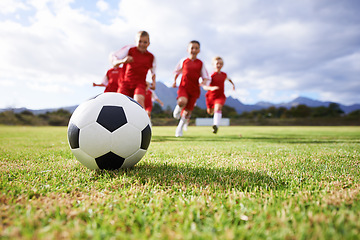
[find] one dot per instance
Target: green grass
(243, 183)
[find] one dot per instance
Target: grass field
(243, 183)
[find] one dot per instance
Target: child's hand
(128, 59)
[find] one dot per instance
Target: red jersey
(217, 79)
(191, 71)
(137, 70)
(112, 78)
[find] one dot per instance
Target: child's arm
(210, 88)
(178, 71)
(160, 102)
(205, 76)
(174, 84)
(205, 85)
(153, 75)
(206, 80)
(231, 83)
(98, 85)
(104, 82)
(121, 56)
(127, 59)
(155, 98)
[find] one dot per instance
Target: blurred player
(215, 99)
(150, 97)
(191, 69)
(137, 61)
(112, 78)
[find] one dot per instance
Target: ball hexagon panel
(111, 117)
(145, 137)
(85, 159)
(109, 161)
(73, 136)
(95, 140)
(126, 140)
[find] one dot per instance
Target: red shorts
(148, 108)
(210, 102)
(130, 89)
(191, 97)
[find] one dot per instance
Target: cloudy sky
(51, 51)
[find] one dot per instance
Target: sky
(274, 51)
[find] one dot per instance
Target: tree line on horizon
(162, 116)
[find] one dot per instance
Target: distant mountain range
(168, 96)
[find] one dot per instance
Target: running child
(215, 99)
(137, 61)
(111, 79)
(191, 69)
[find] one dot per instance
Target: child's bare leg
(217, 117)
(140, 99)
(181, 103)
(183, 120)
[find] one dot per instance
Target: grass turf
(242, 183)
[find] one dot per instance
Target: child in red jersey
(191, 69)
(150, 97)
(112, 78)
(137, 61)
(215, 99)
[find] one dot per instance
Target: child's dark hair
(195, 41)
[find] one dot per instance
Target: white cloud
(6, 83)
(11, 6)
(278, 49)
(102, 5)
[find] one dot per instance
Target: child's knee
(182, 101)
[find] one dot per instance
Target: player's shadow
(167, 175)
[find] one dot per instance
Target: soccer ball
(110, 131)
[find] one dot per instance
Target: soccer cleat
(215, 128)
(177, 112)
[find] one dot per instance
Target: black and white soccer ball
(110, 131)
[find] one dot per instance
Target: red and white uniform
(216, 96)
(134, 81)
(112, 78)
(189, 87)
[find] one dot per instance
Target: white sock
(177, 112)
(182, 122)
(217, 118)
(179, 128)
